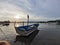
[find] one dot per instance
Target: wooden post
(23, 23)
(27, 20)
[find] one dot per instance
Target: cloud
(37, 9)
(8, 10)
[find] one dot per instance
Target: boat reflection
(26, 39)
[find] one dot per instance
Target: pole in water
(27, 20)
(23, 23)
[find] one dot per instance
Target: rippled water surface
(48, 34)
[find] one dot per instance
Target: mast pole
(27, 20)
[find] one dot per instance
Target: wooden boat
(26, 30)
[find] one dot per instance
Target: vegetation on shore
(51, 21)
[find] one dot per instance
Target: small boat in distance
(5, 23)
(27, 29)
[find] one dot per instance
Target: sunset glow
(17, 17)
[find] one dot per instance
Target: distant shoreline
(55, 21)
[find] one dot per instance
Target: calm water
(48, 34)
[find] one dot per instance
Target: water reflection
(26, 39)
(49, 34)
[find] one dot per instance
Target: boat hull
(25, 32)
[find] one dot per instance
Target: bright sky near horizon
(37, 9)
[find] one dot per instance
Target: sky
(38, 10)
